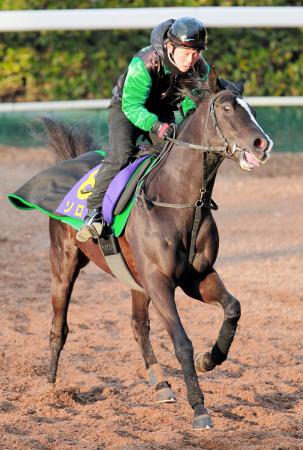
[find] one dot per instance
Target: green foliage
(86, 64)
(270, 61)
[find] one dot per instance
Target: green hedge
(86, 64)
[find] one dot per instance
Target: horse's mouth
(248, 161)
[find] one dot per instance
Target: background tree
(68, 65)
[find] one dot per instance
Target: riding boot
(93, 225)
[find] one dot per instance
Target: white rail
(140, 18)
(103, 103)
(54, 106)
(275, 101)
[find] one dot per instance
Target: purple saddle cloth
(116, 188)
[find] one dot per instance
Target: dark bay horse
(157, 243)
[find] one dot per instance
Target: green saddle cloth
(45, 191)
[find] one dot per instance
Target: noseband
(228, 149)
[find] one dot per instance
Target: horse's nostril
(261, 143)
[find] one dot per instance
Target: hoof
(202, 422)
(204, 363)
(165, 395)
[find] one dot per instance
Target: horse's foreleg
(212, 290)
(66, 260)
(141, 327)
(162, 295)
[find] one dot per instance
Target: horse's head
(234, 123)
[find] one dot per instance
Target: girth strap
(194, 232)
(197, 216)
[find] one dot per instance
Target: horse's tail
(66, 141)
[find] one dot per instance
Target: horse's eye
(226, 108)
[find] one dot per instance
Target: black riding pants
(123, 136)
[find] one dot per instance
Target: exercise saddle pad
(61, 191)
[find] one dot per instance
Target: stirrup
(93, 215)
(92, 228)
(90, 231)
(95, 229)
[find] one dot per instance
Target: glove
(162, 130)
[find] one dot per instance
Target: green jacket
(149, 89)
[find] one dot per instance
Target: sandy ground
(101, 399)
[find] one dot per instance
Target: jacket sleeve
(136, 90)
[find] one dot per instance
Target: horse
(171, 239)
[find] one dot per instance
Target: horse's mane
(198, 89)
(194, 88)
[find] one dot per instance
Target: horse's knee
(232, 310)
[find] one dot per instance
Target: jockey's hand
(162, 130)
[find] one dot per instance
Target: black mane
(194, 88)
(198, 89)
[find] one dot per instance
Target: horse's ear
(213, 82)
(240, 86)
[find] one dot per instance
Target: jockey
(145, 99)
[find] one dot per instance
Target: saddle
(147, 154)
(122, 188)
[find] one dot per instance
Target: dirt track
(101, 399)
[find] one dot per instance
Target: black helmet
(188, 32)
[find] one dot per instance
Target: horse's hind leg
(66, 261)
(212, 290)
(141, 327)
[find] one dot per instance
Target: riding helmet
(188, 32)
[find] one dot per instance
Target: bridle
(228, 149)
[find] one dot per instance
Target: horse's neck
(185, 170)
(195, 126)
